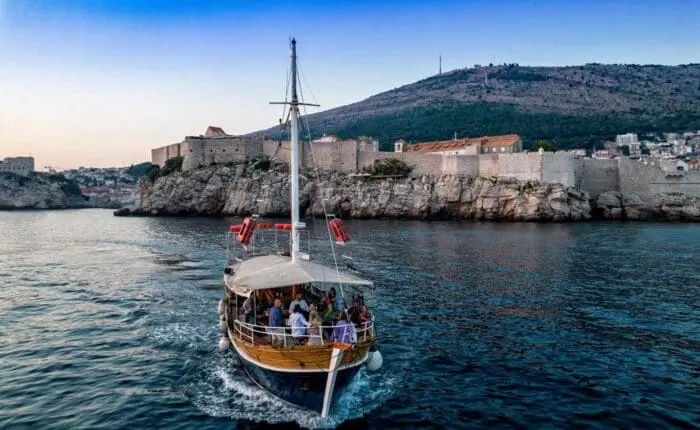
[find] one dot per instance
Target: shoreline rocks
(242, 190)
(671, 207)
(39, 191)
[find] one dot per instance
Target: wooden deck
(304, 357)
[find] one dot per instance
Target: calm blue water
(111, 323)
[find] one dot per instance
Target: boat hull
(305, 389)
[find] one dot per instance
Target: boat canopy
(276, 271)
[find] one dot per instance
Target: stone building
(19, 165)
(509, 143)
(215, 132)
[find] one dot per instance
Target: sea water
(111, 323)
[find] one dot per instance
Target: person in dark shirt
(275, 315)
(275, 323)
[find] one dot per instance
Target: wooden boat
(307, 368)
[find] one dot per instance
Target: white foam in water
(227, 392)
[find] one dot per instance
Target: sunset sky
(100, 83)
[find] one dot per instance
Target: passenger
(275, 323)
(246, 310)
(364, 321)
(327, 316)
(361, 299)
(331, 293)
(275, 314)
(315, 336)
(299, 301)
(298, 324)
(324, 301)
(354, 311)
(342, 332)
(270, 297)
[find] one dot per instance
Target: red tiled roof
(215, 129)
(450, 145)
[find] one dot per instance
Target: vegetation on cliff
(388, 167)
(139, 170)
(573, 106)
(39, 191)
(171, 165)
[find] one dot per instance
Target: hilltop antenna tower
(440, 65)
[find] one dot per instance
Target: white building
(632, 141)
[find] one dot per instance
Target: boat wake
(225, 391)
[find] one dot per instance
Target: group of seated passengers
(325, 320)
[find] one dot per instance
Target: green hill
(574, 106)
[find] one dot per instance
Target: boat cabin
(330, 307)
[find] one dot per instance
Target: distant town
(106, 187)
(118, 186)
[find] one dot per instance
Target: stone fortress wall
(594, 176)
(19, 165)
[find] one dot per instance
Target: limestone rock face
(37, 191)
(241, 190)
(663, 207)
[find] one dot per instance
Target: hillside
(575, 106)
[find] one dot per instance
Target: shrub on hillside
(153, 173)
(388, 167)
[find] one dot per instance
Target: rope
(322, 191)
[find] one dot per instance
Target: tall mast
(294, 159)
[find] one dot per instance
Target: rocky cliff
(663, 207)
(39, 191)
(242, 190)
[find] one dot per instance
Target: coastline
(241, 190)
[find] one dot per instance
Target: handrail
(247, 332)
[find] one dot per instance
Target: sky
(99, 83)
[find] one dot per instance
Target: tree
(546, 145)
(646, 151)
(388, 167)
(625, 150)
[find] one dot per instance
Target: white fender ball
(375, 361)
(224, 344)
(222, 325)
(220, 307)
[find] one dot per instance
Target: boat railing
(286, 336)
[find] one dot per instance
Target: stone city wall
(649, 180)
(19, 165)
(523, 166)
(597, 175)
(488, 165)
(337, 156)
(557, 168)
(460, 165)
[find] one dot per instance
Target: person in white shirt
(298, 324)
(302, 304)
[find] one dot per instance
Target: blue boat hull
(303, 389)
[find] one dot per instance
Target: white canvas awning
(275, 271)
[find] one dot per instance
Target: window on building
(503, 149)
